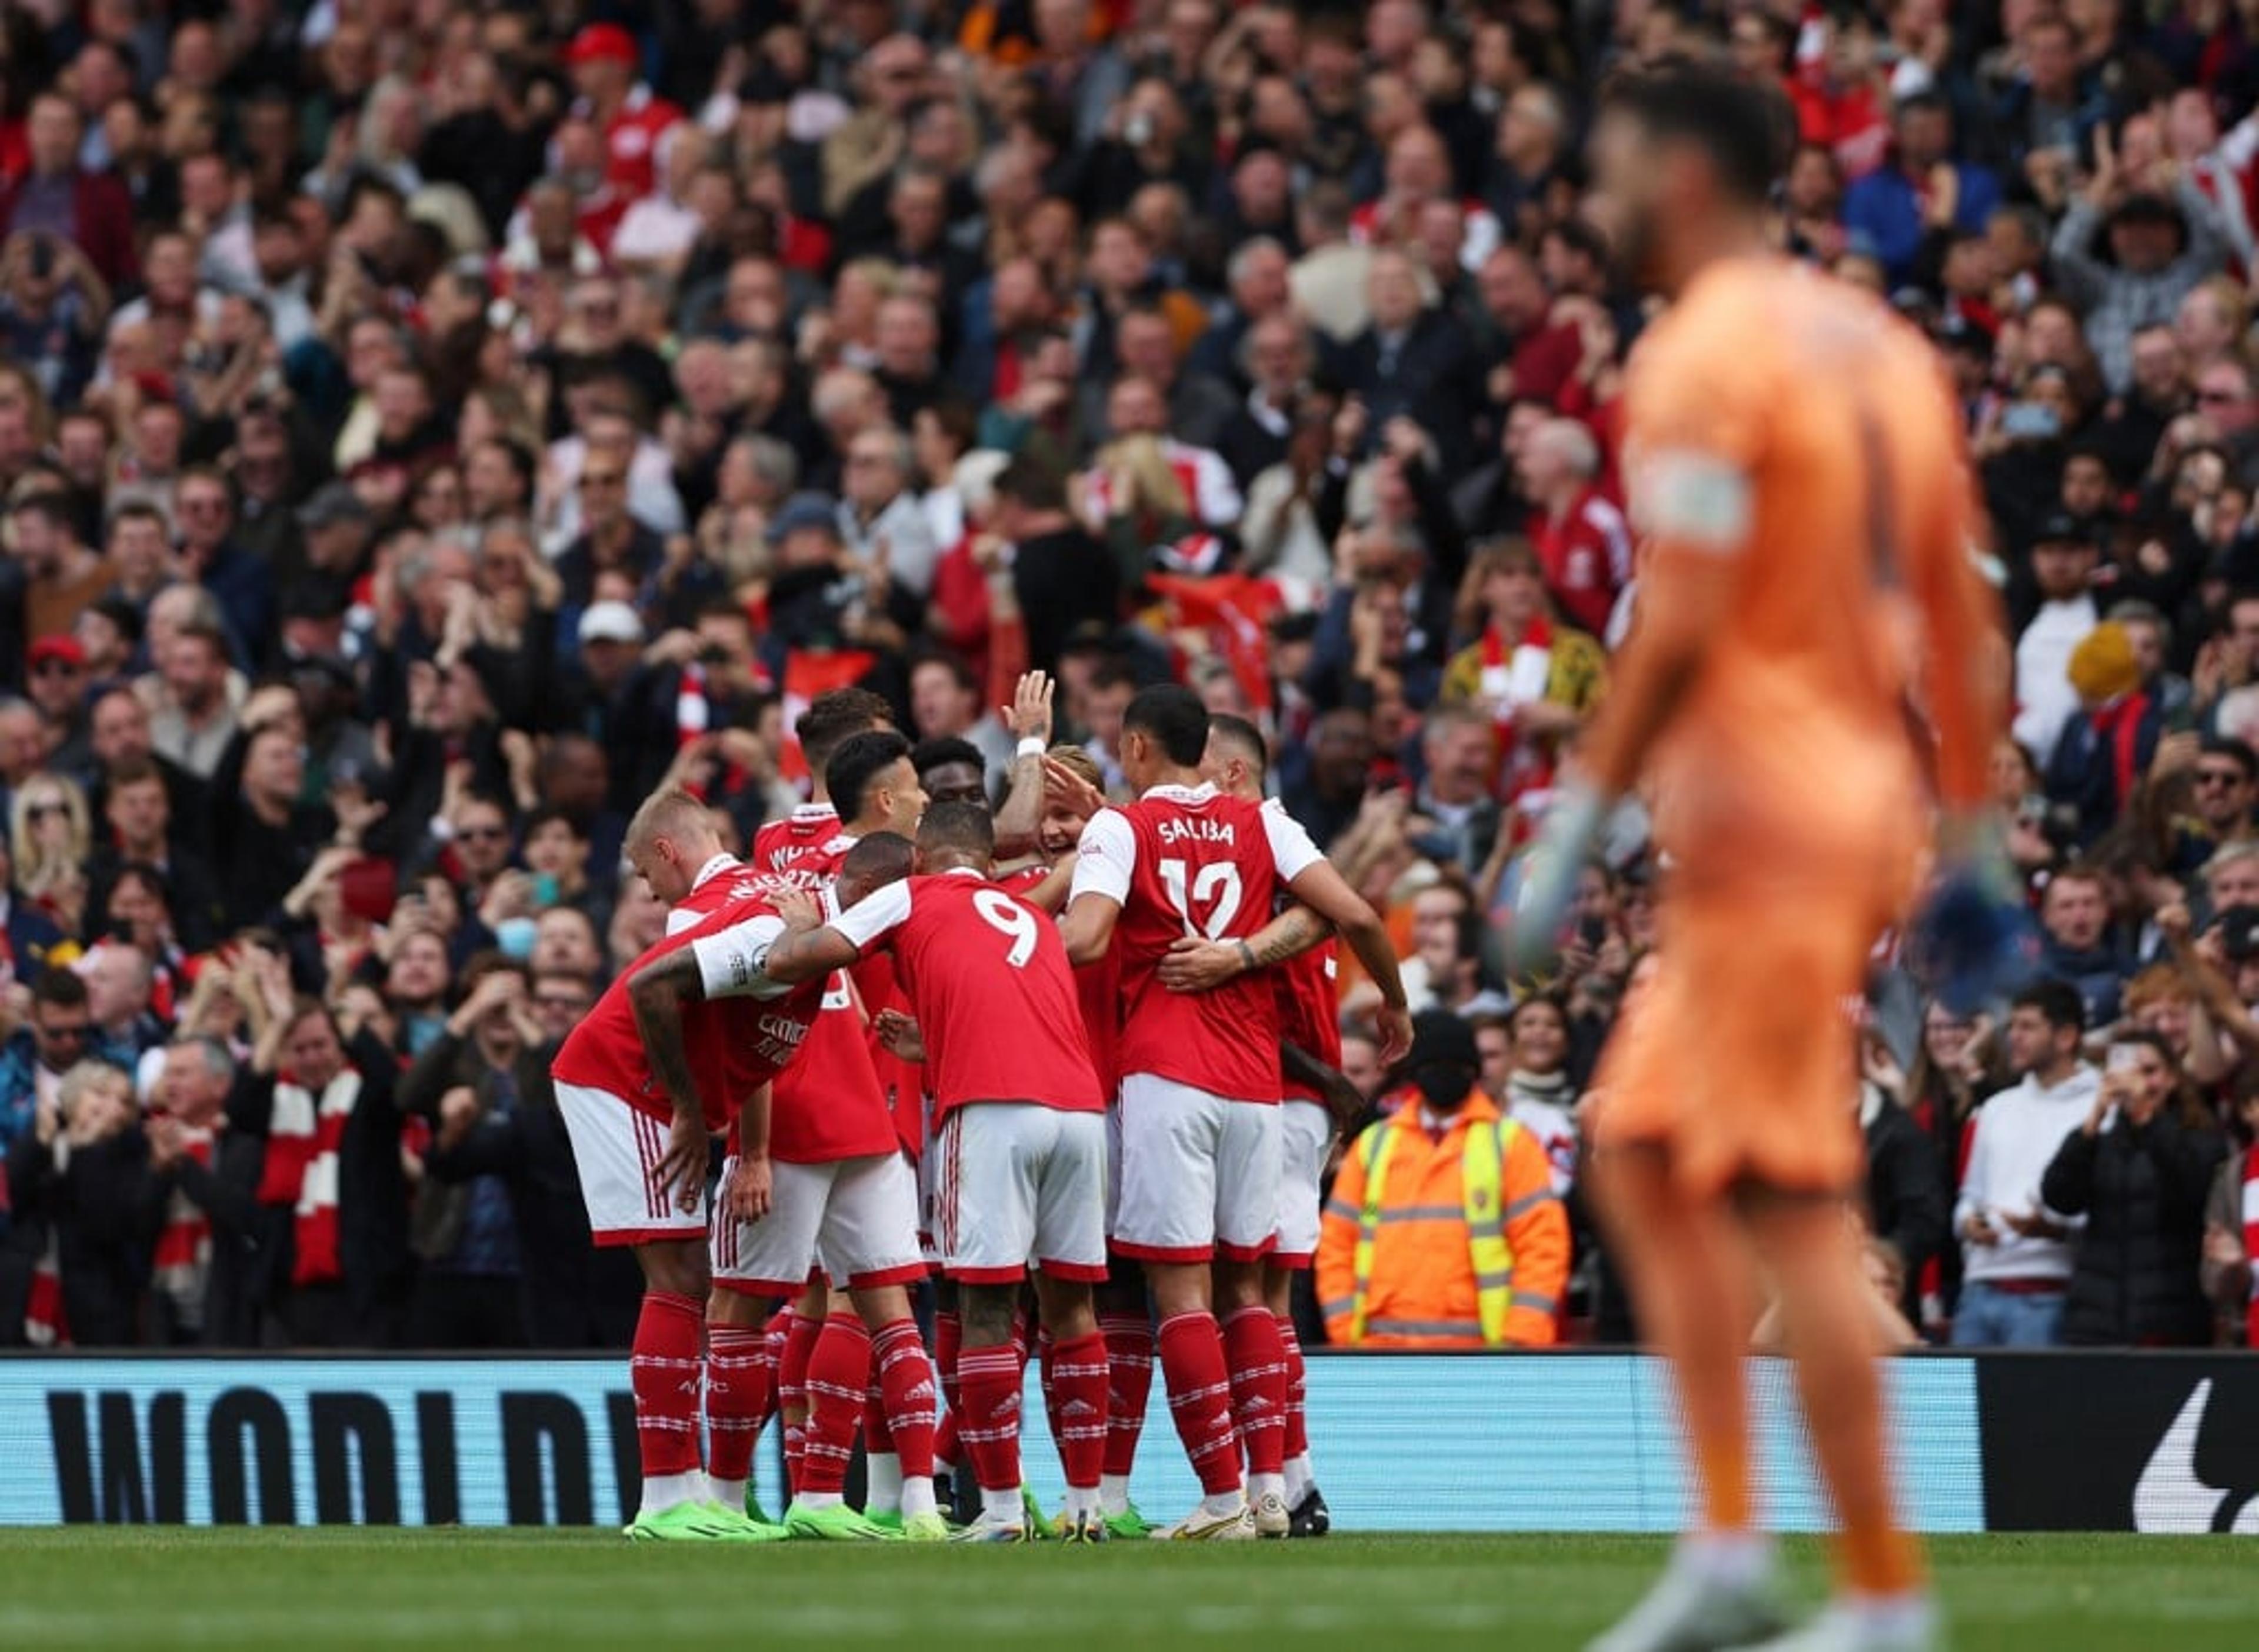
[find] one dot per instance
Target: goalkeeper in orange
(1794, 463)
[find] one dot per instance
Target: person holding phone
(2139, 1171)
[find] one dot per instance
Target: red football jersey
(1097, 992)
(806, 845)
(1184, 861)
(988, 981)
(1309, 1010)
(734, 1044)
(827, 1105)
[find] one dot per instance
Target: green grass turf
(248, 1591)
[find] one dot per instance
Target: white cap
(611, 621)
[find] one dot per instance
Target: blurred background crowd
(426, 427)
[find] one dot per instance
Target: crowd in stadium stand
(426, 429)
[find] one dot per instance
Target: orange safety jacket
(1437, 1258)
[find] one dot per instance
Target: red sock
(792, 1389)
(839, 1370)
(1200, 1399)
(736, 1398)
(1021, 1341)
(1298, 1432)
(947, 1334)
(663, 1375)
(1129, 1386)
(904, 1378)
(1077, 1376)
(1047, 1363)
(1258, 1387)
(878, 1432)
(772, 1338)
(989, 1379)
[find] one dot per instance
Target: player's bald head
(677, 817)
(874, 862)
(956, 835)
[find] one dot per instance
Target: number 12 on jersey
(1216, 887)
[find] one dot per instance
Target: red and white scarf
(694, 713)
(2251, 1239)
(303, 1137)
(184, 1245)
(1512, 677)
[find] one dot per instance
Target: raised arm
(1020, 818)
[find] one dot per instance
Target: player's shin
(1130, 1352)
(737, 1386)
(1300, 1476)
(664, 1374)
(838, 1371)
(1689, 1284)
(792, 1391)
(1079, 1419)
(948, 1338)
(1199, 1383)
(989, 1379)
(904, 1378)
(1830, 1334)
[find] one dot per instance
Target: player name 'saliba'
(1193, 829)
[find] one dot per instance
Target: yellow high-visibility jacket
(1462, 1243)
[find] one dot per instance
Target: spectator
(1538, 681)
(2108, 745)
(1907, 1203)
(1458, 814)
(60, 197)
(207, 1265)
(2063, 564)
(1412, 361)
(2075, 913)
(879, 517)
(2139, 1171)
(1538, 1093)
(2231, 1234)
(62, 576)
(332, 1189)
(1901, 213)
(1395, 1272)
(2016, 1253)
(469, 1232)
(73, 1180)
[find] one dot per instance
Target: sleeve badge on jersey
(1693, 498)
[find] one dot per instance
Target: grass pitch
(248, 1591)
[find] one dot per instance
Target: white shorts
(1306, 1135)
(857, 1218)
(1200, 1174)
(616, 1149)
(1113, 1162)
(1020, 1184)
(929, 1222)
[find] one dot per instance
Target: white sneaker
(1272, 1518)
(1201, 1527)
(1686, 1611)
(1844, 1627)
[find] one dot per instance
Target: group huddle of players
(1076, 1061)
